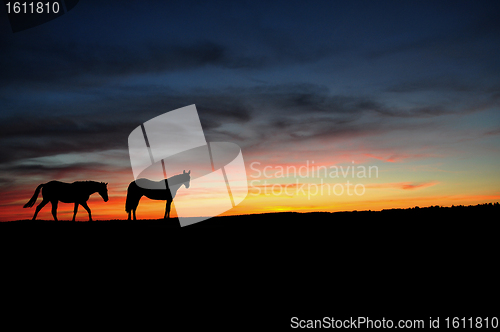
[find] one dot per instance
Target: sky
(410, 89)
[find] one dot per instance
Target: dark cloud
(104, 124)
(55, 170)
(440, 83)
(464, 32)
(249, 116)
(97, 41)
(57, 59)
(57, 64)
(50, 135)
(50, 62)
(85, 88)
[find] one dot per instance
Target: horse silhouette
(157, 190)
(76, 192)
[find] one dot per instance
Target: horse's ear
(184, 172)
(106, 183)
(189, 172)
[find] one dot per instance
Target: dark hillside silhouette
(372, 219)
(77, 192)
(413, 219)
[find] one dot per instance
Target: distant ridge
(479, 212)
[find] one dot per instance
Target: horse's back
(63, 191)
(56, 184)
(157, 190)
(149, 184)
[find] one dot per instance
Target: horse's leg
(134, 208)
(75, 211)
(167, 209)
(129, 215)
(54, 209)
(86, 207)
(39, 207)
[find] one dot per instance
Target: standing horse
(76, 192)
(159, 190)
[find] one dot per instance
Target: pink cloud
(402, 185)
(399, 157)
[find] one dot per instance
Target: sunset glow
(335, 107)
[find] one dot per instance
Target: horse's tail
(32, 201)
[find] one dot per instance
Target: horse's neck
(174, 188)
(91, 188)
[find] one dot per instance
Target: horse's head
(103, 191)
(186, 178)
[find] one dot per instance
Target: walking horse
(76, 192)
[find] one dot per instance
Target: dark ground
(259, 271)
(484, 214)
